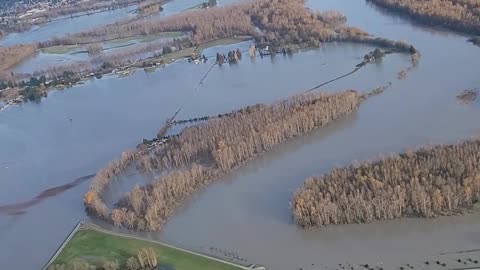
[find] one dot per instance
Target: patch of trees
(15, 25)
(10, 56)
(126, 56)
(429, 182)
(232, 57)
(460, 15)
(93, 199)
(475, 40)
(284, 25)
(69, 74)
(201, 153)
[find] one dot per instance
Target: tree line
(428, 182)
(460, 15)
(201, 153)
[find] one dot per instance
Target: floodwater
(248, 211)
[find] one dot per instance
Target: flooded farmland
(247, 211)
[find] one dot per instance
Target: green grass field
(97, 247)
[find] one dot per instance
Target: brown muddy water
(247, 212)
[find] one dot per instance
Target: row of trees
(461, 15)
(203, 152)
(429, 182)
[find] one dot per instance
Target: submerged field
(97, 247)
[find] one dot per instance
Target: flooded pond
(248, 211)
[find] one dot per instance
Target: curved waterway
(248, 210)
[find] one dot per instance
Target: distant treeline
(429, 182)
(459, 15)
(203, 152)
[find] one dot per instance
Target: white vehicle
(256, 267)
